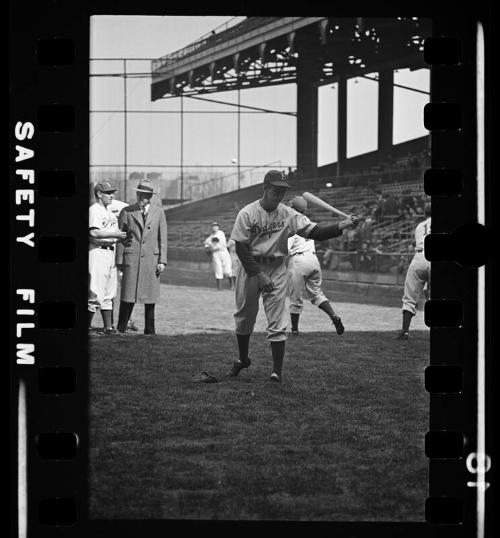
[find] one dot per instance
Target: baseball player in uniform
(216, 243)
(104, 234)
(304, 276)
(417, 275)
(261, 233)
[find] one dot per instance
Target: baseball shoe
(132, 326)
(275, 378)
(402, 336)
(338, 325)
(95, 331)
(109, 331)
(295, 333)
(237, 367)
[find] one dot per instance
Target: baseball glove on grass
(205, 377)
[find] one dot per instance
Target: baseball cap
(104, 186)
(276, 178)
(146, 185)
(214, 223)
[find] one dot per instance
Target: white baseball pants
(304, 280)
(418, 273)
(247, 297)
(221, 261)
(102, 279)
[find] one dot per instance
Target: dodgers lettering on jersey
(300, 245)
(102, 219)
(268, 233)
(422, 229)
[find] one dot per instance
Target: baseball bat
(321, 203)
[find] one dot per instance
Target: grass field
(341, 438)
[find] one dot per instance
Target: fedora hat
(146, 185)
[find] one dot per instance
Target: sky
(211, 139)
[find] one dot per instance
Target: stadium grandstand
(391, 203)
(384, 187)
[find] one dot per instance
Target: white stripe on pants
(304, 280)
(247, 301)
(102, 279)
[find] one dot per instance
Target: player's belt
(419, 250)
(110, 247)
(266, 259)
(302, 253)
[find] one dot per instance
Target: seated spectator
(382, 261)
(365, 258)
(391, 206)
(365, 228)
(378, 248)
(352, 237)
(292, 175)
(380, 208)
(401, 214)
(407, 199)
(405, 259)
(406, 214)
(412, 213)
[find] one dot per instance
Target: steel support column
(385, 111)
(125, 156)
(308, 74)
(341, 124)
(238, 156)
(182, 149)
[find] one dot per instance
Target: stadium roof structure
(264, 51)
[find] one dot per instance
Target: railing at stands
(353, 266)
(365, 262)
(374, 180)
(200, 43)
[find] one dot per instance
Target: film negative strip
(51, 385)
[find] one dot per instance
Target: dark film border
(55, 482)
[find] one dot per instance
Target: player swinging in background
(417, 275)
(261, 233)
(216, 246)
(304, 276)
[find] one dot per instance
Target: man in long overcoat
(142, 257)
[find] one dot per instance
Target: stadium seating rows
(396, 233)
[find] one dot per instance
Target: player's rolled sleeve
(241, 228)
(247, 260)
(301, 225)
